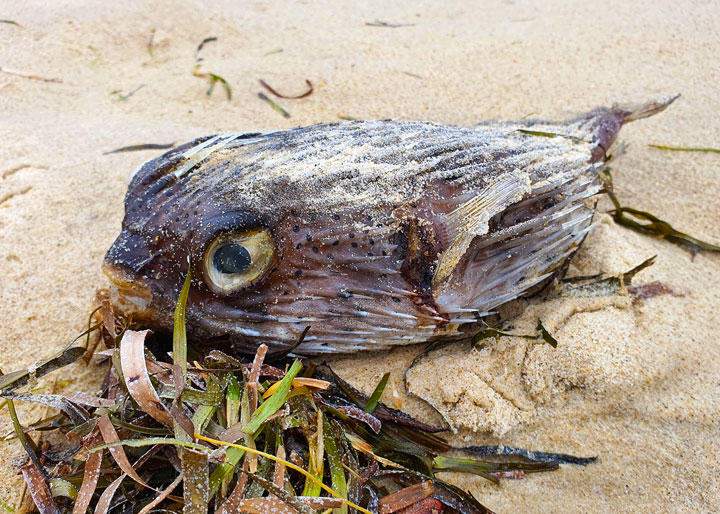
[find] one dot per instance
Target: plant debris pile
(225, 435)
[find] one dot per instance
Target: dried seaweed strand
(275, 107)
(286, 97)
(138, 148)
(686, 148)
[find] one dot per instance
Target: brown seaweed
(295, 97)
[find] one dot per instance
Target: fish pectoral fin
(471, 219)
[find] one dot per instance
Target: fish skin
(387, 232)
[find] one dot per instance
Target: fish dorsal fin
(471, 218)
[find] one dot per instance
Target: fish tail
(632, 112)
(605, 124)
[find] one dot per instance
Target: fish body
(373, 233)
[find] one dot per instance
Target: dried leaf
(110, 436)
(17, 379)
(103, 504)
(89, 483)
(405, 497)
(160, 497)
(137, 380)
(263, 506)
(196, 489)
(39, 489)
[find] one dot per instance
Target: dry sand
(635, 383)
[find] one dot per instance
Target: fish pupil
(232, 258)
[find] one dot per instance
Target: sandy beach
(635, 382)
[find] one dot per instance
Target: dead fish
(373, 233)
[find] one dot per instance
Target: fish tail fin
(632, 112)
(604, 124)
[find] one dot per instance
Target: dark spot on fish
(384, 253)
(351, 235)
(336, 217)
(298, 273)
(315, 249)
(354, 245)
(371, 241)
(396, 299)
(336, 243)
(298, 246)
(293, 212)
(308, 237)
(296, 229)
(330, 257)
(370, 254)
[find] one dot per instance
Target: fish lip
(126, 293)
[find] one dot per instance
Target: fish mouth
(128, 295)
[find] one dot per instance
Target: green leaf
(60, 487)
(545, 335)
(686, 148)
(377, 393)
(179, 332)
(484, 468)
(273, 404)
(493, 332)
(232, 401)
(337, 472)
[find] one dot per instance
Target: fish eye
(234, 260)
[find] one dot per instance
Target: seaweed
(286, 97)
(686, 148)
(213, 79)
(149, 46)
(542, 334)
(239, 436)
(141, 147)
(275, 107)
(29, 76)
(11, 22)
(649, 224)
(379, 23)
(202, 45)
(117, 93)
(540, 133)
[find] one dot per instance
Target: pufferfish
(372, 233)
